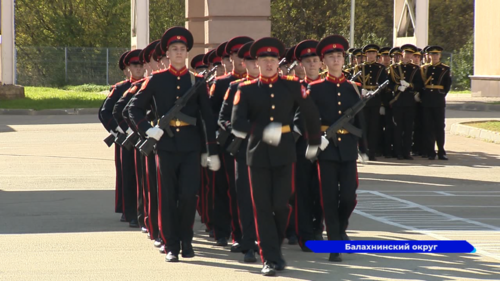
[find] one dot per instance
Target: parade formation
(263, 140)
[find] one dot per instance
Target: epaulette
(290, 78)
(159, 71)
(139, 81)
(248, 82)
(317, 82)
(121, 83)
(445, 65)
(223, 76)
(237, 81)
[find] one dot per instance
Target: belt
(340, 132)
(285, 129)
(436, 87)
(370, 87)
(178, 123)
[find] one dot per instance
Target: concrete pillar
(8, 69)
(415, 14)
(195, 22)
(422, 23)
(139, 24)
(486, 79)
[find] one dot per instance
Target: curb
(473, 106)
(71, 111)
(462, 129)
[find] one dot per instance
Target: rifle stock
(109, 140)
(234, 146)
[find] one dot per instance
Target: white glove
(204, 160)
(272, 134)
(404, 83)
(312, 151)
(324, 143)
(213, 162)
(113, 133)
(401, 88)
(130, 131)
(118, 129)
(382, 111)
(363, 158)
(155, 133)
(364, 92)
(417, 97)
(239, 134)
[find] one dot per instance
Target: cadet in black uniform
(372, 75)
(437, 79)
(263, 110)
(178, 157)
(336, 163)
(405, 81)
(417, 148)
(197, 63)
(226, 62)
(246, 216)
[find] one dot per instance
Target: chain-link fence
(57, 66)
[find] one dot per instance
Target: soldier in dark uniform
(417, 148)
(216, 60)
(385, 56)
(263, 110)
(358, 57)
(197, 64)
(178, 157)
(308, 212)
(405, 81)
(396, 55)
(372, 75)
(437, 80)
(226, 62)
(132, 62)
(226, 220)
(247, 243)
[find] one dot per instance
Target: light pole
(353, 5)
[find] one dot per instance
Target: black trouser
(178, 181)
(372, 117)
(403, 129)
(381, 134)
(152, 196)
(129, 184)
(118, 181)
(245, 207)
(139, 179)
(419, 140)
(338, 195)
(229, 164)
(434, 127)
(389, 132)
(291, 229)
(206, 197)
(271, 190)
(305, 198)
(221, 220)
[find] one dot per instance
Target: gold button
(270, 85)
(433, 73)
(338, 85)
(404, 71)
(272, 119)
(431, 90)
(178, 130)
(273, 107)
(433, 68)
(177, 97)
(370, 71)
(178, 78)
(178, 87)
(338, 94)
(340, 112)
(340, 103)
(339, 139)
(272, 95)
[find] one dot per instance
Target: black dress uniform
(403, 103)
(308, 217)
(372, 75)
(197, 63)
(257, 104)
(437, 79)
(178, 157)
(418, 123)
(226, 207)
(242, 182)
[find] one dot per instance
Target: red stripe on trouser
(116, 178)
(158, 179)
(321, 196)
(289, 206)
(150, 223)
(145, 191)
(123, 197)
(255, 214)
(229, 197)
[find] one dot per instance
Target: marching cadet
(226, 220)
(372, 75)
(437, 83)
(226, 62)
(385, 125)
(417, 148)
(197, 64)
(426, 59)
(337, 169)
(405, 81)
(308, 214)
(178, 157)
(385, 57)
(247, 243)
(358, 57)
(129, 198)
(216, 60)
(290, 59)
(162, 57)
(395, 54)
(262, 110)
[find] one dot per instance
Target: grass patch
(460, 92)
(488, 125)
(87, 88)
(494, 102)
(39, 98)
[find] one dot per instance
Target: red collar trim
(132, 80)
(238, 76)
(310, 80)
(334, 79)
(176, 72)
(250, 77)
(269, 80)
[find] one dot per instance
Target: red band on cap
(330, 47)
(198, 64)
(133, 59)
(217, 59)
(177, 38)
(268, 50)
(247, 54)
(236, 47)
(308, 51)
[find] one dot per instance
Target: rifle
(174, 113)
(294, 64)
(119, 139)
(343, 122)
(282, 62)
(356, 76)
(234, 146)
(109, 140)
